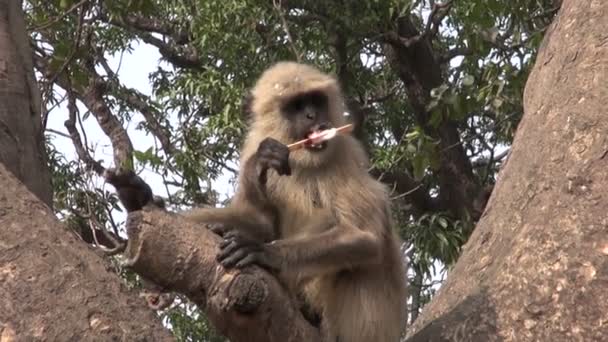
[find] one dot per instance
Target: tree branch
(417, 195)
(244, 305)
(52, 21)
(180, 55)
(70, 125)
(92, 95)
(147, 24)
(141, 103)
(420, 72)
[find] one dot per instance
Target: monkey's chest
(303, 214)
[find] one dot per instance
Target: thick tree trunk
(21, 138)
(536, 267)
(52, 287)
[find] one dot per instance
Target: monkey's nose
(323, 126)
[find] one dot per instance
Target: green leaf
(497, 103)
(419, 165)
(468, 80)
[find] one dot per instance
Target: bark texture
(53, 287)
(21, 138)
(179, 255)
(536, 267)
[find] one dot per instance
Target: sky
(133, 70)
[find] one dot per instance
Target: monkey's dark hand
(272, 154)
(238, 250)
(220, 228)
(132, 191)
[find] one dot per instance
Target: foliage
(439, 87)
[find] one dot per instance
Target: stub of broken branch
(243, 305)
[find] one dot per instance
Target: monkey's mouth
(317, 141)
(316, 147)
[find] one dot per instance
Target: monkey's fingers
(285, 168)
(233, 259)
(263, 174)
(248, 260)
(219, 229)
(258, 258)
(228, 245)
(282, 167)
(231, 243)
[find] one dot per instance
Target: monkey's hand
(238, 250)
(132, 191)
(220, 228)
(272, 154)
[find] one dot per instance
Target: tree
(436, 125)
(435, 88)
(53, 286)
(534, 269)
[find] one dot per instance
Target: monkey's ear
(246, 104)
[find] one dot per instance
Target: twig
(409, 192)
(66, 62)
(292, 45)
(56, 19)
(47, 111)
(438, 12)
(65, 135)
(81, 151)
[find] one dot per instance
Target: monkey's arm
(340, 247)
(257, 224)
(250, 210)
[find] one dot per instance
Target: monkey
(315, 216)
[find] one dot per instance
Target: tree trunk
(52, 286)
(21, 138)
(536, 267)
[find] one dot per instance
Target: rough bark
(21, 139)
(53, 287)
(536, 267)
(178, 255)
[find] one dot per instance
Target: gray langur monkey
(314, 216)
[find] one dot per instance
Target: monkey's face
(289, 102)
(308, 113)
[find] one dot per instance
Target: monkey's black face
(308, 113)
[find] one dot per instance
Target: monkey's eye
(296, 105)
(319, 100)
